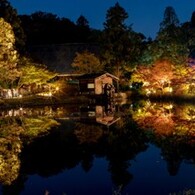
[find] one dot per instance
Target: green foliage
(34, 127)
(119, 44)
(10, 147)
(170, 43)
(8, 56)
(33, 73)
(87, 62)
(9, 14)
(115, 38)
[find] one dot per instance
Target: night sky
(144, 15)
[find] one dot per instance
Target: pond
(136, 148)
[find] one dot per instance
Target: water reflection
(79, 137)
(103, 114)
(171, 127)
(166, 119)
(52, 140)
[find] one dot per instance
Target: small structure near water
(98, 84)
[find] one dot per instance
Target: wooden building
(98, 84)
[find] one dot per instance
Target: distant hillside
(59, 57)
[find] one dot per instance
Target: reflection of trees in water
(88, 133)
(34, 127)
(10, 148)
(13, 130)
(166, 119)
(61, 150)
(170, 127)
(171, 152)
(125, 141)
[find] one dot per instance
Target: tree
(8, 56)
(32, 73)
(10, 15)
(115, 38)
(119, 43)
(170, 43)
(83, 30)
(156, 77)
(170, 19)
(87, 62)
(82, 22)
(47, 28)
(170, 39)
(188, 29)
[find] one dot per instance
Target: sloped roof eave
(108, 74)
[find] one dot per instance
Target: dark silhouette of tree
(47, 28)
(170, 38)
(170, 19)
(188, 29)
(82, 22)
(115, 38)
(83, 30)
(170, 43)
(118, 41)
(192, 21)
(10, 15)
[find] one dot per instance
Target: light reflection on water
(143, 148)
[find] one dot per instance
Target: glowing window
(90, 85)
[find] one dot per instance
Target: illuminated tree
(33, 73)
(8, 56)
(156, 77)
(87, 62)
(9, 14)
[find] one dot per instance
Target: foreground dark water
(138, 148)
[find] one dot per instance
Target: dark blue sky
(144, 15)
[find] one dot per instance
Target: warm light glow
(146, 84)
(49, 94)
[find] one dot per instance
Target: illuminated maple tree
(155, 77)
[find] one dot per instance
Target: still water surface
(135, 149)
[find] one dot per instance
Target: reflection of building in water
(94, 114)
(99, 114)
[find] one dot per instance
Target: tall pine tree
(120, 44)
(115, 39)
